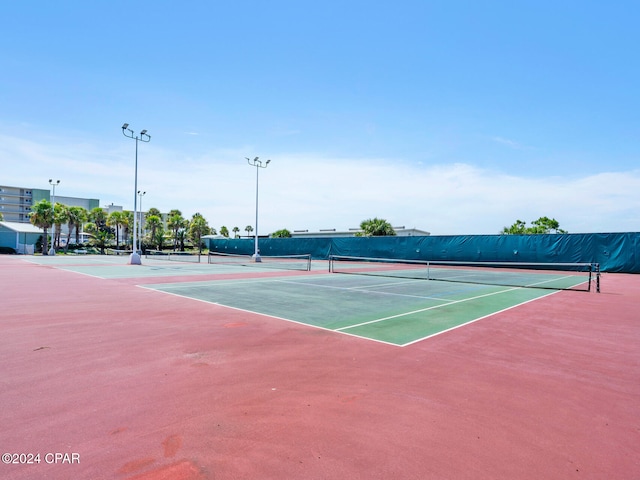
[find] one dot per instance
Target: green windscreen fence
(615, 252)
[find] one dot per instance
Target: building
(333, 233)
(16, 202)
(16, 231)
(20, 237)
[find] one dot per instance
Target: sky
(453, 117)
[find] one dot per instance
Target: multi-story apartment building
(16, 202)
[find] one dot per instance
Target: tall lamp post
(143, 137)
(52, 250)
(258, 164)
(140, 195)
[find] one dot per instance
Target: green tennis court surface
(400, 307)
(391, 310)
(110, 266)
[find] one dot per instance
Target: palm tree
(60, 216)
(154, 211)
(154, 222)
(99, 217)
(41, 216)
(198, 227)
(76, 216)
(81, 217)
(248, 229)
(376, 227)
(182, 235)
(117, 219)
(235, 232)
(224, 231)
(176, 223)
(100, 237)
(157, 237)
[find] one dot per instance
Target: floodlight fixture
(258, 164)
(144, 137)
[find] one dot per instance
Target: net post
(597, 277)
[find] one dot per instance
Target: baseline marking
(476, 319)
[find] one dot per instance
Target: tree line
(106, 230)
(542, 225)
(178, 233)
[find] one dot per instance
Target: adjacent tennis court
(392, 302)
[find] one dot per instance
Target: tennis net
(555, 276)
(284, 262)
(173, 256)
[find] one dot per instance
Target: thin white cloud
(286, 132)
(509, 143)
(310, 191)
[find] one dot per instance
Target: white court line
(374, 292)
(476, 319)
(205, 283)
(307, 284)
(270, 316)
(342, 330)
(429, 308)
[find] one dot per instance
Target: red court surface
(106, 380)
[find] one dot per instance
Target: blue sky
(453, 117)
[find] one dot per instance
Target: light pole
(140, 195)
(144, 137)
(258, 164)
(52, 250)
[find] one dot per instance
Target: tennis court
(392, 310)
(389, 301)
(198, 371)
